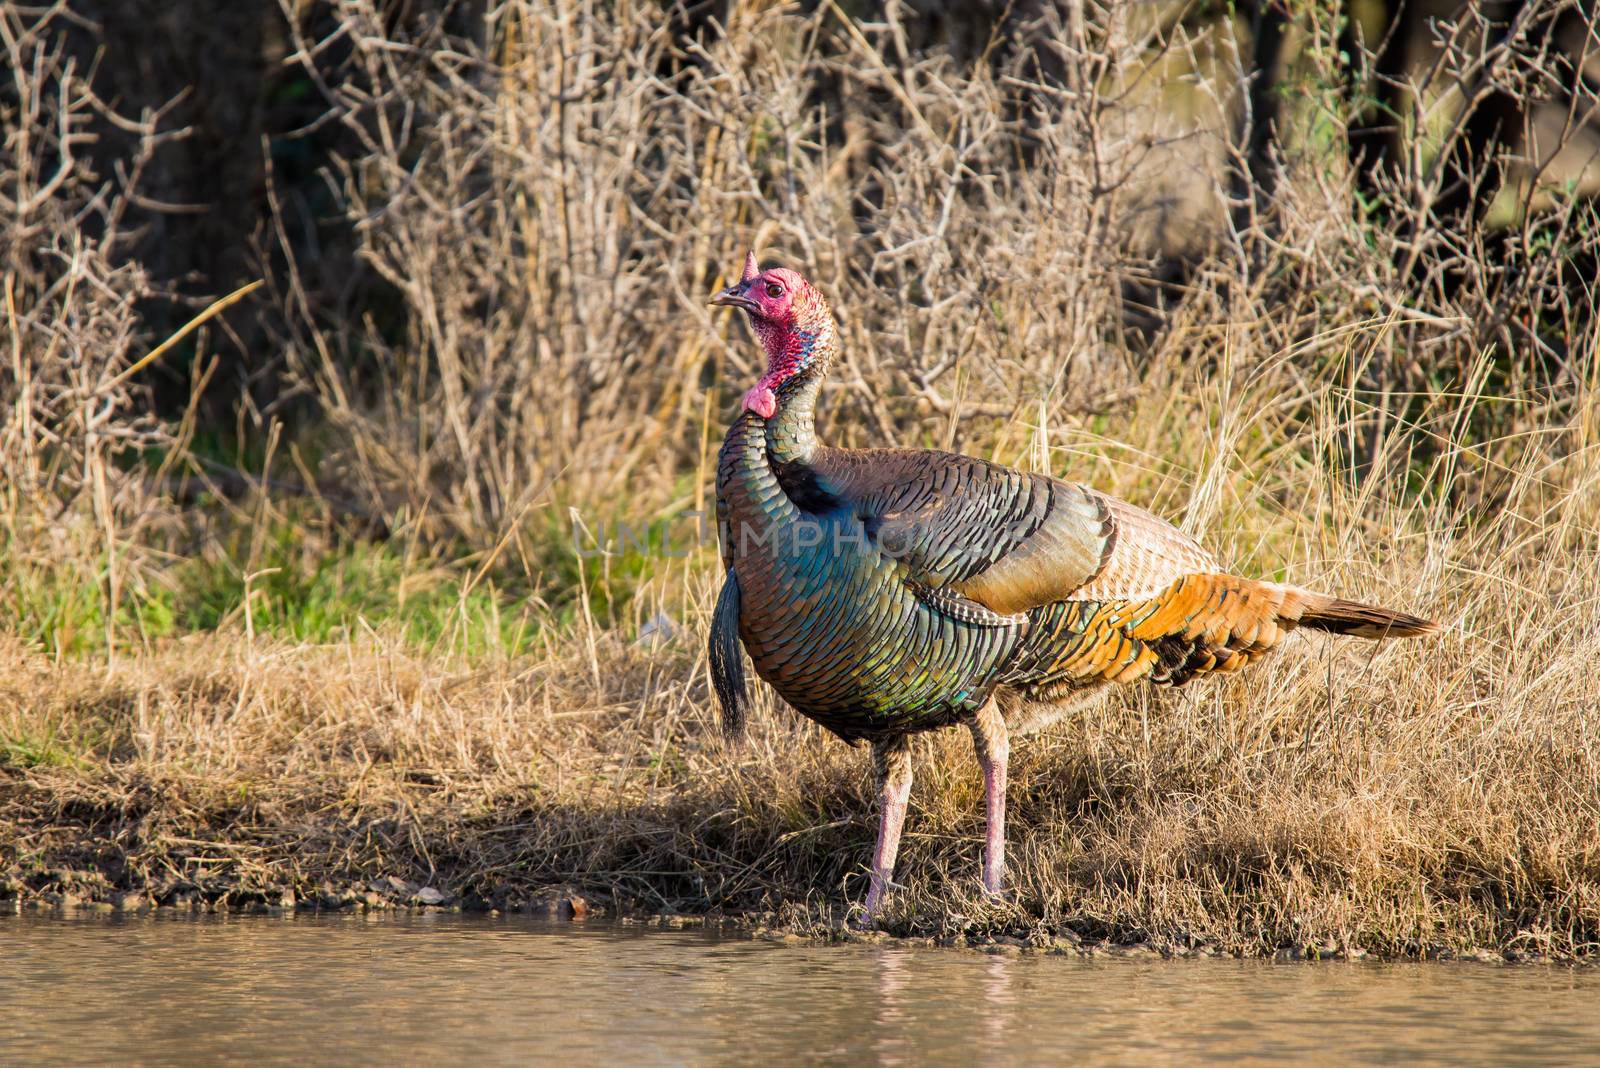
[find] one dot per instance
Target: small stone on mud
(1139, 949)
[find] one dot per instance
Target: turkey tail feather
(1339, 616)
(727, 659)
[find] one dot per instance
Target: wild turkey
(882, 592)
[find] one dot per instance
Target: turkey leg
(990, 739)
(892, 761)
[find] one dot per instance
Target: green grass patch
(24, 749)
(302, 588)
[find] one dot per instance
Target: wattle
(761, 400)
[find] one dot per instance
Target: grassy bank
(1407, 799)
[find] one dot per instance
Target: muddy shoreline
(220, 776)
(390, 895)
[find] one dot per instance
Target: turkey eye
(774, 290)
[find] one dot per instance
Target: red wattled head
(792, 320)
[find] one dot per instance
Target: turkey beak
(734, 297)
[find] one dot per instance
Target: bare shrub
(552, 198)
(74, 419)
(1482, 184)
(553, 212)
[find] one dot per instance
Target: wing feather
(1009, 540)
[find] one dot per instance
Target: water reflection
(436, 988)
(894, 975)
(996, 1005)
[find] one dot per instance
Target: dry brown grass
(1406, 798)
(1311, 404)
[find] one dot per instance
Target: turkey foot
(993, 746)
(892, 762)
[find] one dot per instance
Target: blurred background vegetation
(485, 232)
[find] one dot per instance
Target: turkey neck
(792, 444)
(749, 497)
(792, 430)
(765, 472)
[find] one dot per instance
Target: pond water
(417, 989)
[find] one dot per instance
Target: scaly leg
(993, 744)
(892, 761)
